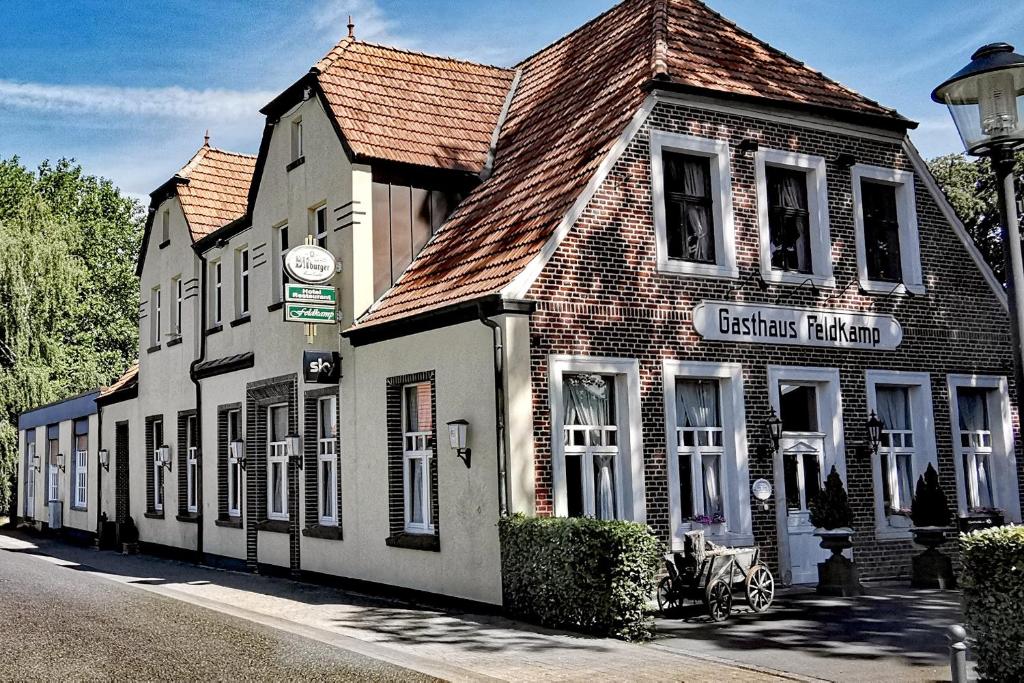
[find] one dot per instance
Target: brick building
(614, 262)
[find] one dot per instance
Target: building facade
(610, 265)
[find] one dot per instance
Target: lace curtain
(688, 176)
(791, 245)
(893, 408)
(697, 404)
(587, 401)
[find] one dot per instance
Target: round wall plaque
(309, 264)
(762, 489)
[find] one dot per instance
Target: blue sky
(129, 88)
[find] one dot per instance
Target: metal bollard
(957, 637)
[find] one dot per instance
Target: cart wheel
(666, 596)
(760, 586)
(718, 600)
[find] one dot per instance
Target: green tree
(970, 187)
(68, 293)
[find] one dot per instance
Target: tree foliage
(830, 509)
(970, 186)
(68, 292)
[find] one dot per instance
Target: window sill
(230, 523)
(429, 542)
(153, 349)
(328, 533)
(163, 244)
(214, 330)
(276, 306)
(153, 514)
(292, 165)
(890, 288)
(75, 508)
(788, 277)
(241, 320)
(189, 517)
(674, 267)
(174, 342)
(893, 534)
(277, 526)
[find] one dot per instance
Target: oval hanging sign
(309, 263)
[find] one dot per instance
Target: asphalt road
(61, 623)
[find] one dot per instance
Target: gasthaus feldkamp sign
(771, 324)
(309, 264)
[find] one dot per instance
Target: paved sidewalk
(448, 645)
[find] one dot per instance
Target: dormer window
(296, 139)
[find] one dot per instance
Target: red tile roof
(413, 108)
(217, 189)
(573, 101)
(125, 380)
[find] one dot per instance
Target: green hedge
(581, 574)
(992, 579)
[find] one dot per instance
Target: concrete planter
(838, 574)
(932, 568)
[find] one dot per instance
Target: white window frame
(906, 215)
(1004, 461)
(178, 287)
(314, 228)
(297, 141)
(631, 502)
(277, 454)
(818, 216)
(158, 467)
(922, 422)
(165, 226)
(217, 292)
(734, 464)
(191, 466)
(54, 471)
(327, 454)
(417, 446)
(80, 497)
(717, 151)
(234, 467)
(30, 475)
(157, 315)
(243, 266)
(277, 274)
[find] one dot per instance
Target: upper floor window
(178, 287)
(885, 227)
(297, 139)
(242, 281)
(692, 202)
(156, 316)
(792, 199)
(165, 226)
(278, 276)
(318, 220)
(216, 292)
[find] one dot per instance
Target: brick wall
(601, 295)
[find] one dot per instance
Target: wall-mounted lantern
(293, 448)
(875, 427)
(165, 456)
(458, 436)
(104, 456)
(773, 425)
(58, 460)
(35, 460)
(236, 452)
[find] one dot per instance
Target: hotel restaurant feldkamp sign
(771, 324)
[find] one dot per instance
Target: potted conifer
(830, 513)
(931, 515)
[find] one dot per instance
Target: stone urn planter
(838, 574)
(830, 512)
(932, 568)
(931, 515)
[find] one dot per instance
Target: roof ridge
(522, 62)
(446, 58)
(739, 29)
(328, 60)
(659, 37)
(230, 153)
(191, 164)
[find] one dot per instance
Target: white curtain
(687, 180)
(587, 401)
(605, 499)
(712, 491)
(697, 403)
(790, 191)
(894, 407)
(970, 405)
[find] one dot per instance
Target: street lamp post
(986, 101)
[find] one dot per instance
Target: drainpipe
(499, 408)
(199, 403)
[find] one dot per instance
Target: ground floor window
(976, 452)
(418, 453)
(327, 459)
(80, 464)
(277, 462)
(192, 465)
(234, 474)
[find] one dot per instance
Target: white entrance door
(30, 483)
(803, 462)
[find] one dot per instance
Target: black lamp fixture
(236, 451)
(458, 437)
(293, 448)
(747, 146)
(845, 160)
(875, 427)
(60, 462)
(104, 457)
(774, 427)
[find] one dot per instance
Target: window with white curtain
(234, 465)
(591, 444)
(699, 447)
(277, 462)
(418, 453)
(155, 310)
(897, 447)
(192, 465)
(80, 464)
(976, 453)
(789, 227)
(52, 450)
(158, 465)
(327, 459)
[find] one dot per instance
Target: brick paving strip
(450, 645)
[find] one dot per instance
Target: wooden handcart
(710, 574)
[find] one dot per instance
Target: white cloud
(371, 21)
(172, 102)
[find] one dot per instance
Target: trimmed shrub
(992, 578)
(582, 574)
(930, 507)
(830, 509)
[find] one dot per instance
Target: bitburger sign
(771, 324)
(309, 264)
